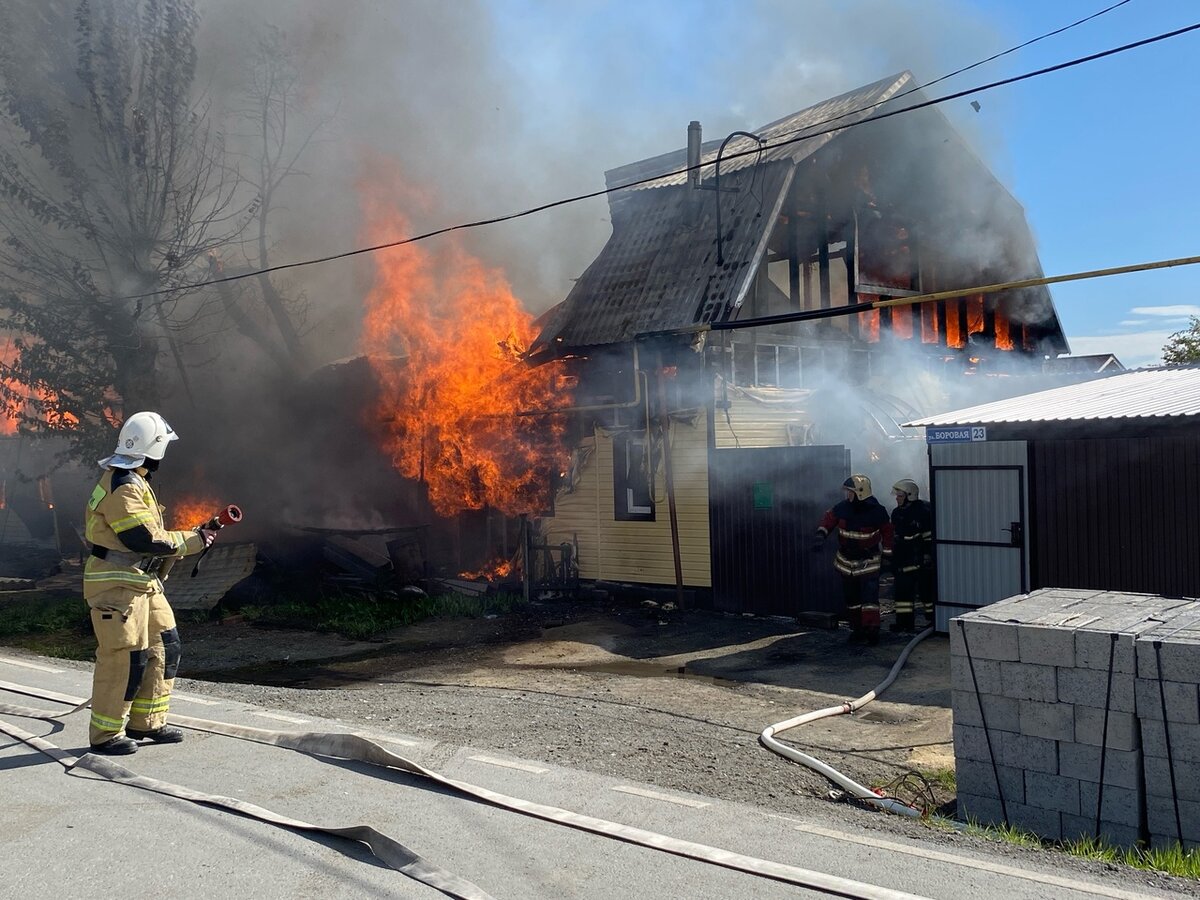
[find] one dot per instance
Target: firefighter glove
(208, 535)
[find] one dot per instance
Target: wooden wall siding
(1117, 514)
(639, 552)
(752, 424)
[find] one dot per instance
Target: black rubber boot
(118, 746)
(168, 734)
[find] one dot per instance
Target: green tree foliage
(1183, 346)
(115, 185)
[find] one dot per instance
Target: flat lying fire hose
(360, 749)
(389, 851)
(849, 785)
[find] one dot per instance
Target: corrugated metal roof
(843, 110)
(1164, 392)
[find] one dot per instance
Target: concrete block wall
(1168, 678)
(1032, 696)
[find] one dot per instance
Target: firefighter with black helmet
(138, 648)
(864, 534)
(911, 558)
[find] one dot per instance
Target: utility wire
(374, 248)
(974, 65)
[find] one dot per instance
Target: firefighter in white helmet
(864, 535)
(138, 647)
(912, 560)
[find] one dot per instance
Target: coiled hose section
(849, 785)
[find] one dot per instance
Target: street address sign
(956, 435)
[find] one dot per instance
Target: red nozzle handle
(230, 515)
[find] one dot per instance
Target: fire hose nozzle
(230, 515)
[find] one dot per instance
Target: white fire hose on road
(849, 785)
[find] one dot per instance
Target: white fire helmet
(144, 435)
(860, 485)
(908, 488)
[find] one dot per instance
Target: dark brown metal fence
(1117, 514)
(764, 505)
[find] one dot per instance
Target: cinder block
(1180, 658)
(1046, 646)
(1114, 835)
(1158, 778)
(1092, 649)
(1122, 728)
(1024, 681)
(1046, 823)
(1182, 700)
(1057, 792)
(979, 780)
(973, 743)
(984, 810)
(1121, 805)
(1033, 754)
(1002, 713)
(1055, 721)
(1164, 842)
(1185, 741)
(986, 676)
(1160, 816)
(985, 639)
(1088, 687)
(1122, 768)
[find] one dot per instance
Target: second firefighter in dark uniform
(864, 533)
(912, 562)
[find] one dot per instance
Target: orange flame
(31, 401)
(493, 571)
(447, 415)
(188, 512)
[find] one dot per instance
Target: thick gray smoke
(491, 116)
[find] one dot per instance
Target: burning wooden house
(703, 449)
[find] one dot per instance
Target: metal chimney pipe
(693, 154)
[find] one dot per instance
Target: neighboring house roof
(1090, 363)
(658, 270)
(1163, 392)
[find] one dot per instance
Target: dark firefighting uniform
(138, 647)
(864, 534)
(912, 562)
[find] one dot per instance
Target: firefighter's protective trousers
(138, 648)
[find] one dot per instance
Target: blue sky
(1103, 156)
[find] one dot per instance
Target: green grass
(1173, 860)
(52, 624)
(943, 779)
(36, 612)
(357, 616)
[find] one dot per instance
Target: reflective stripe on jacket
(120, 502)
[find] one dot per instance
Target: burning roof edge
(1161, 392)
(860, 103)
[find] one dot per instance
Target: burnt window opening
(767, 365)
(633, 478)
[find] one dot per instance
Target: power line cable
(974, 65)
(479, 223)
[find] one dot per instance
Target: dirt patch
(572, 669)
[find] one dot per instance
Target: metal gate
(764, 505)
(980, 510)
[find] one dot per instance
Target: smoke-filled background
(493, 108)
(453, 112)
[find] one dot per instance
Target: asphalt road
(65, 835)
